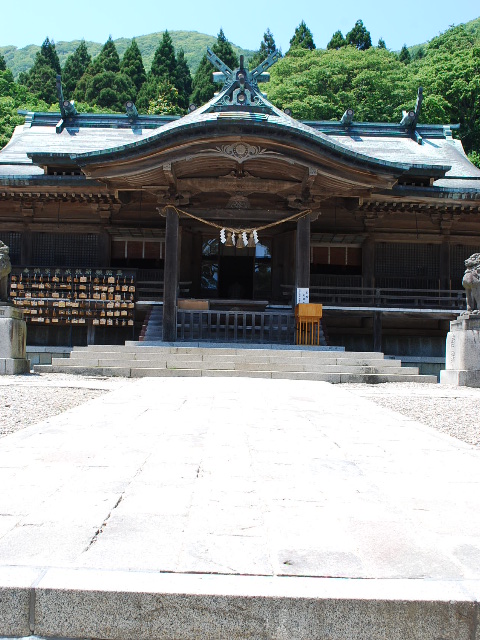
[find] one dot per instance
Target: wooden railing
(268, 327)
(385, 298)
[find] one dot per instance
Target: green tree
(109, 89)
(381, 44)
(404, 55)
(450, 74)
(41, 78)
(183, 82)
(474, 157)
(103, 84)
(108, 58)
(49, 54)
(132, 66)
(75, 66)
(203, 85)
(14, 96)
(359, 37)
(267, 46)
(418, 54)
(167, 100)
(164, 64)
(322, 84)
(302, 38)
(337, 41)
(3, 64)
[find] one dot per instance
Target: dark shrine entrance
(236, 275)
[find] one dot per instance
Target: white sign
(303, 295)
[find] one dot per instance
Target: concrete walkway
(241, 509)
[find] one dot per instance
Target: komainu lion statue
(471, 283)
(5, 268)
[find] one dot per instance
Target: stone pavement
(233, 509)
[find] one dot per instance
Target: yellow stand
(307, 319)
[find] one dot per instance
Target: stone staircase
(136, 360)
(152, 329)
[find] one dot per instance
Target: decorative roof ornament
(240, 86)
(410, 118)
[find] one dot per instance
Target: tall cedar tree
(337, 41)
(267, 46)
(108, 58)
(3, 64)
(75, 66)
(184, 79)
(203, 85)
(404, 55)
(381, 44)
(102, 83)
(302, 38)
(359, 37)
(164, 63)
(132, 65)
(41, 79)
(161, 79)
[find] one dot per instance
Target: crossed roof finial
(240, 86)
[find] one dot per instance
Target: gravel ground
(451, 410)
(25, 400)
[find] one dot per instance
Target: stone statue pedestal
(13, 340)
(462, 362)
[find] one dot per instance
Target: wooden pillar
(302, 253)
(170, 284)
(377, 331)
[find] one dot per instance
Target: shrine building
(209, 223)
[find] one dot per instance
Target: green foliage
(404, 55)
(359, 37)
(164, 64)
(450, 72)
(3, 64)
(132, 66)
(322, 84)
(381, 44)
(14, 96)
(337, 41)
(103, 84)
(474, 157)
(41, 79)
(166, 101)
(203, 85)
(267, 46)
(192, 43)
(75, 67)
(224, 50)
(108, 58)
(49, 54)
(302, 38)
(167, 71)
(184, 80)
(109, 89)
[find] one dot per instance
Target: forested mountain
(314, 83)
(192, 43)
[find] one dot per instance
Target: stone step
(134, 361)
(332, 367)
(337, 377)
(213, 360)
(233, 351)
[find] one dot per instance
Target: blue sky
(397, 22)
